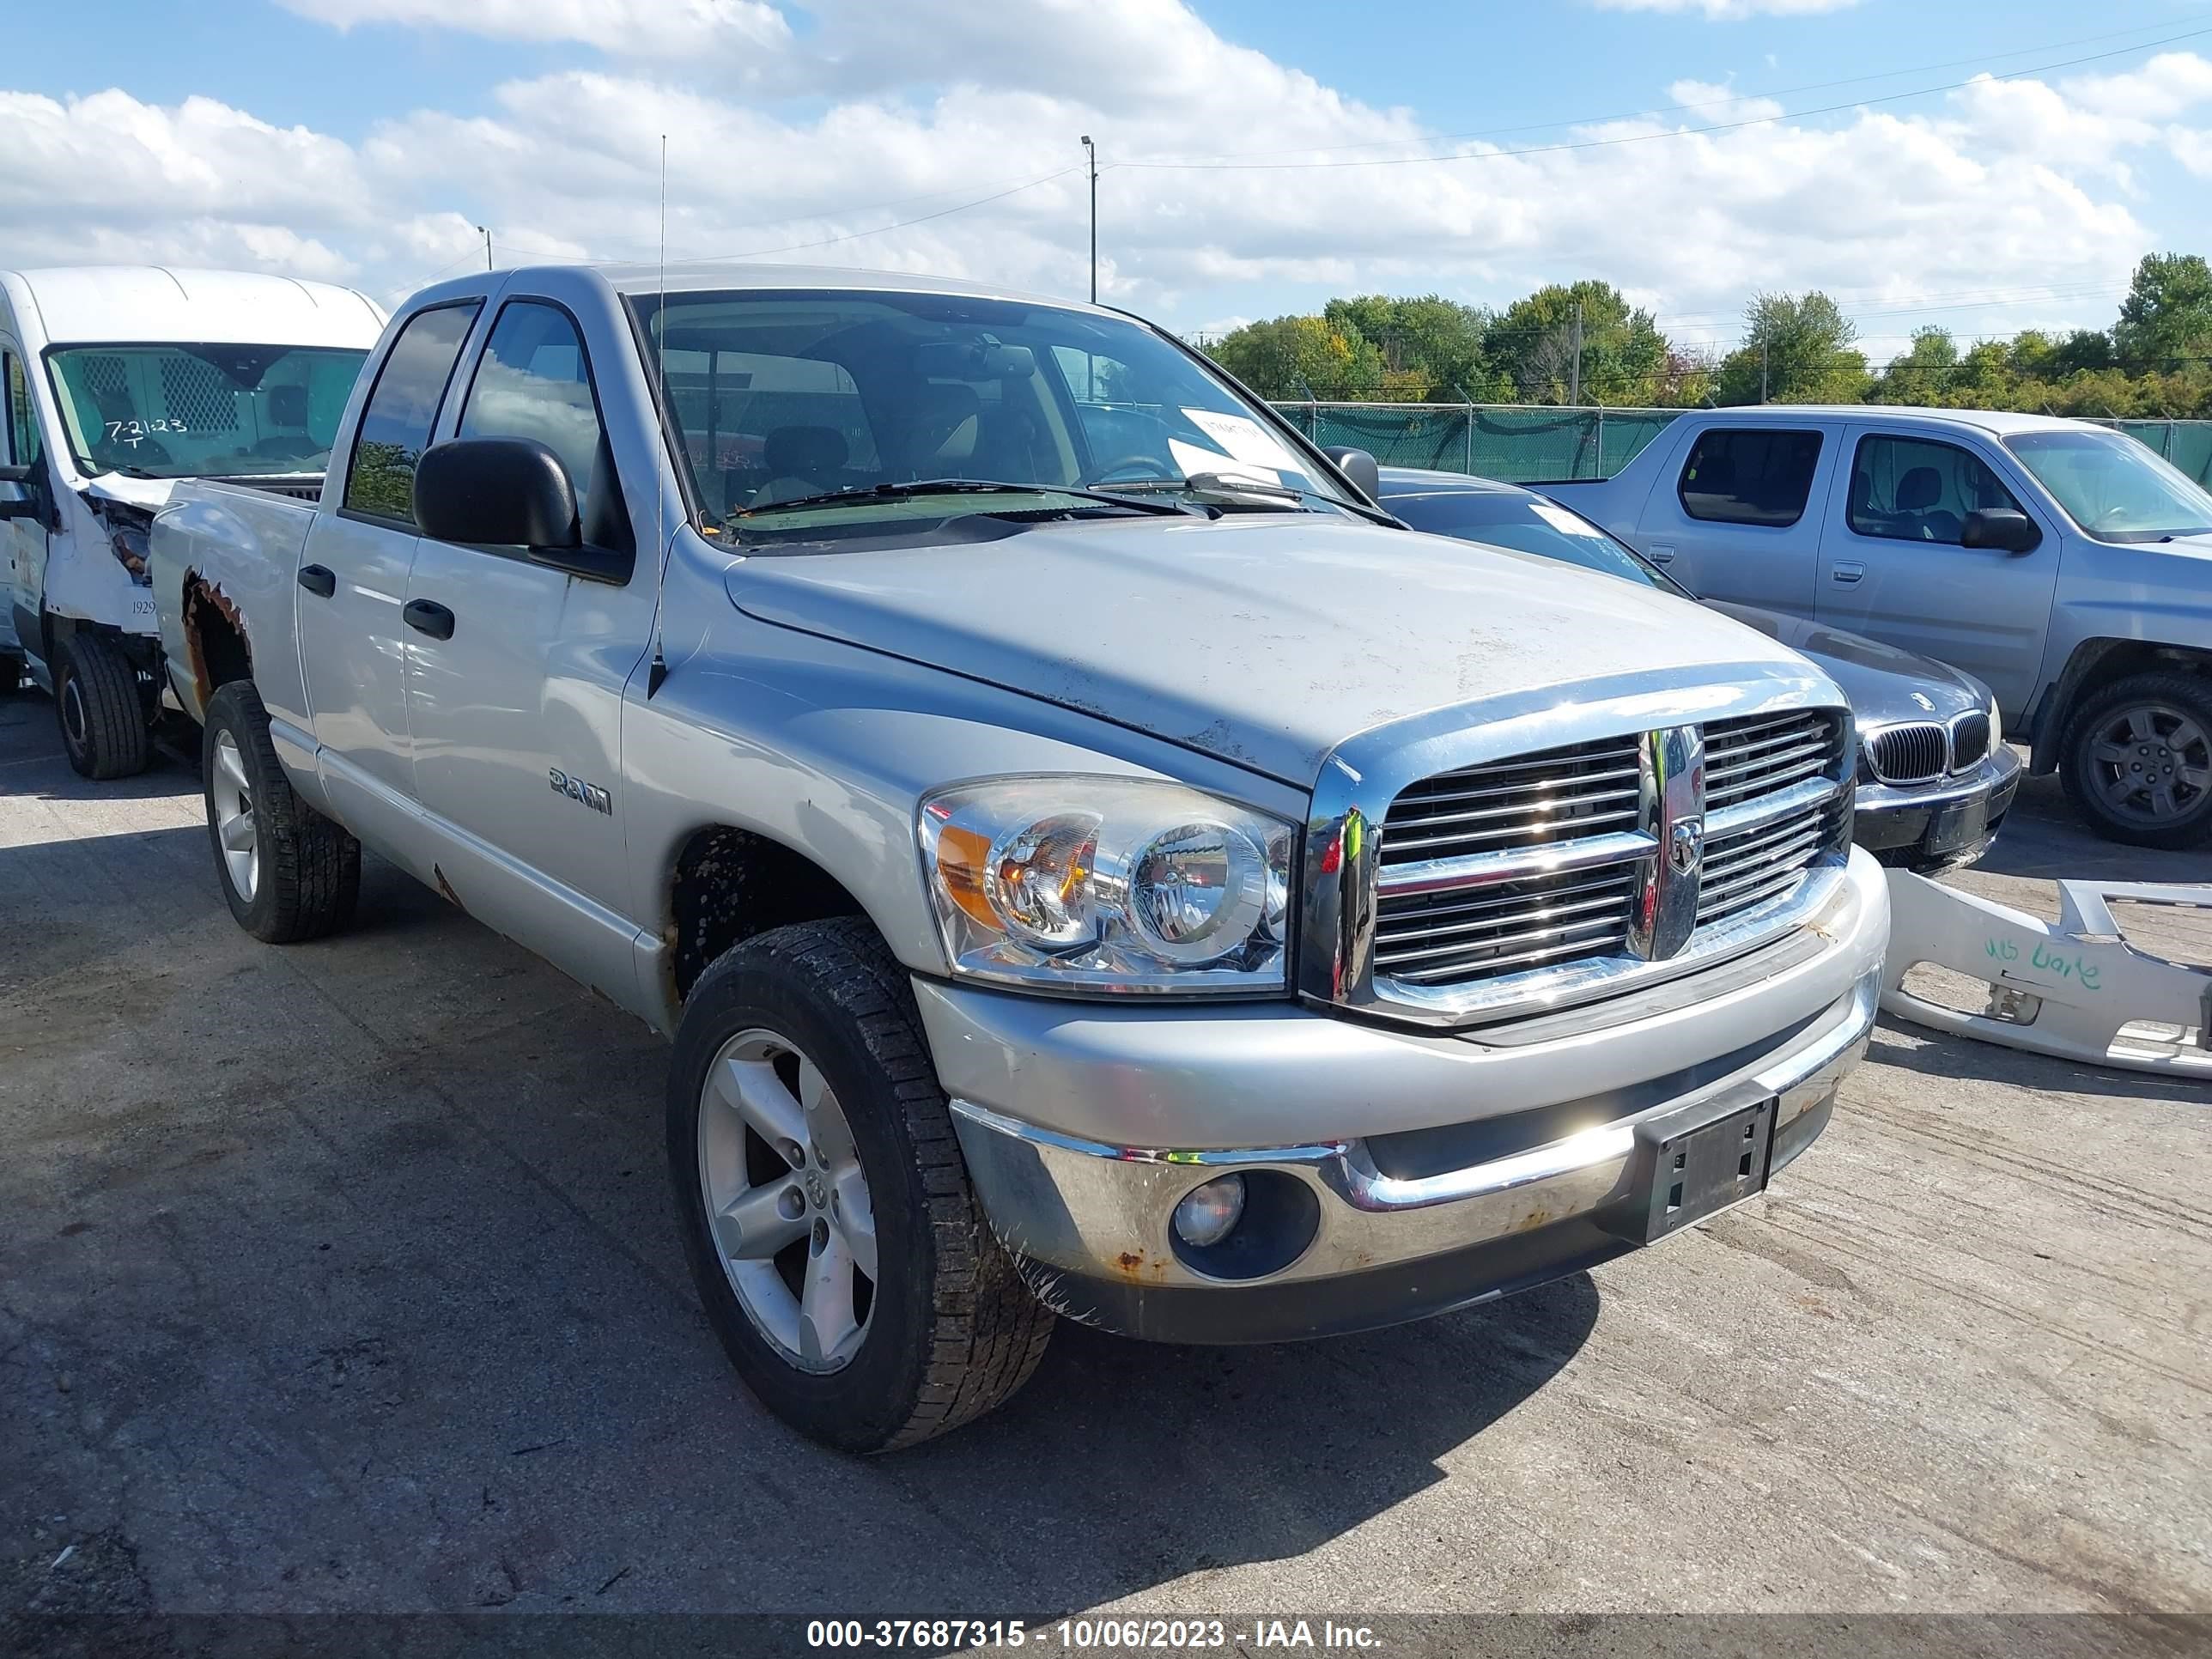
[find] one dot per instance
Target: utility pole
(1575, 383)
(486, 230)
(1092, 151)
(1762, 366)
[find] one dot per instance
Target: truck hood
(1884, 683)
(1266, 640)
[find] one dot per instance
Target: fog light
(1206, 1213)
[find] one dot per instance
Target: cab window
(535, 381)
(403, 407)
(1910, 490)
(1757, 476)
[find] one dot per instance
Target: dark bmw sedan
(1934, 776)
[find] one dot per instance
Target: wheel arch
(216, 648)
(2094, 664)
(724, 884)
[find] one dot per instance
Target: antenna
(659, 671)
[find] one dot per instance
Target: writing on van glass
(2059, 964)
(134, 433)
(576, 789)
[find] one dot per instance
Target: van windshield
(209, 411)
(2113, 488)
(786, 399)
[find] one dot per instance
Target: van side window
(402, 409)
(534, 381)
(23, 446)
(1910, 490)
(1759, 475)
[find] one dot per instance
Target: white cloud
(1730, 10)
(1710, 102)
(628, 26)
(869, 118)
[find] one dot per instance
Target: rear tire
(2136, 761)
(949, 1330)
(288, 872)
(98, 707)
(12, 675)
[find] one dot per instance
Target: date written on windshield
(136, 432)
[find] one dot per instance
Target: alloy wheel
(233, 792)
(2151, 763)
(787, 1201)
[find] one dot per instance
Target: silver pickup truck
(2061, 564)
(1091, 861)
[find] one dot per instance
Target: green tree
(2167, 318)
(1920, 374)
(1799, 349)
(1532, 345)
(1430, 344)
(1300, 357)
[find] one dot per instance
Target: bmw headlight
(1107, 885)
(1997, 725)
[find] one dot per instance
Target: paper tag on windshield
(1191, 459)
(1243, 439)
(1559, 518)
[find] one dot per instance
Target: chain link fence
(1528, 444)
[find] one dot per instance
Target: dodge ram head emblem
(577, 790)
(1686, 846)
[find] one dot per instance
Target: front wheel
(841, 1255)
(288, 871)
(101, 713)
(2136, 761)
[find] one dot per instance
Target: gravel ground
(343, 1278)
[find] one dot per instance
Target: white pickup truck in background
(121, 381)
(2061, 563)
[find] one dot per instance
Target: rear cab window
(1915, 490)
(402, 409)
(1759, 476)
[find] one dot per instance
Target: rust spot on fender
(1132, 1263)
(202, 598)
(447, 888)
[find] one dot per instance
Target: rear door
(353, 578)
(1892, 566)
(1739, 519)
(515, 688)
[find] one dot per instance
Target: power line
(1646, 137)
(922, 219)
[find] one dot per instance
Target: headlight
(1996, 725)
(1107, 885)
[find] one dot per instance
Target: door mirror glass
(1358, 466)
(2007, 529)
(495, 492)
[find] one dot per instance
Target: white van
(121, 379)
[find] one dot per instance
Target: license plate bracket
(1694, 1163)
(1958, 824)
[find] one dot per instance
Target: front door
(515, 674)
(1892, 566)
(23, 538)
(1740, 518)
(353, 580)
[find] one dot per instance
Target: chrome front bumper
(1092, 1222)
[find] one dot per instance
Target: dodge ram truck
(2061, 564)
(1092, 862)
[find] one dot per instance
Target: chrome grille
(1912, 753)
(1493, 872)
(1969, 741)
(1524, 802)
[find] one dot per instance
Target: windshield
(2112, 487)
(784, 396)
(1526, 524)
(178, 412)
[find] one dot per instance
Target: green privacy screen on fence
(1528, 444)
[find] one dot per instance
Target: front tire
(288, 871)
(840, 1252)
(2136, 761)
(98, 707)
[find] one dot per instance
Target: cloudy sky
(1987, 166)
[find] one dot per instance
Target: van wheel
(2136, 761)
(842, 1254)
(11, 675)
(288, 872)
(96, 701)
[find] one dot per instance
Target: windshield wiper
(863, 495)
(1234, 485)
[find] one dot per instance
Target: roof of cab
(698, 276)
(1989, 420)
(152, 304)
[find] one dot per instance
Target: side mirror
(2006, 529)
(495, 492)
(1359, 467)
(19, 497)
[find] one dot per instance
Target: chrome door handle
(1846, 571)
(1660, 555)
